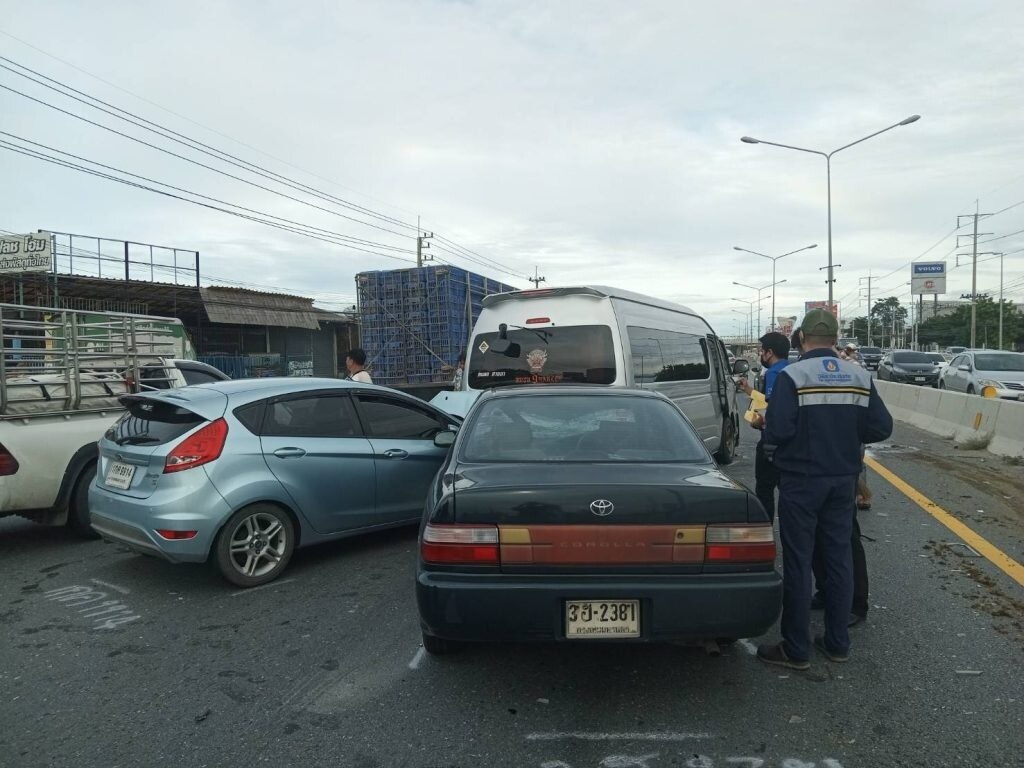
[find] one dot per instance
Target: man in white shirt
(355, 362)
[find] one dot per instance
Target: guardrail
(968, 420)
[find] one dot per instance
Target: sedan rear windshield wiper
(136, 440)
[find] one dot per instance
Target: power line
(66, 164)
(221, 155)
(332, 233)
(194, 144)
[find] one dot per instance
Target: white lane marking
(749, 647)
(418, 658)
(108, 585)
(623, 736)
(262, 586)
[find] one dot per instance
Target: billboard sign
(26, 253)
(928, 277)
(785, 325)
(809, 305)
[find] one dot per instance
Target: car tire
(79, 519)
(942, 384)
(726, 452)
(255, 545)
(438, 646)
(970, 389)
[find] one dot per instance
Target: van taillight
(8, 464)
(460, 544)
(739, 544)
(199, 448)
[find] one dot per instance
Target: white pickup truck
(62, 373)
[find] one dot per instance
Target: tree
(888, 319)
(955, 329)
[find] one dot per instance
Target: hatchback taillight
(460, 544)
(739, 544)
(199, 448)
(8, 464)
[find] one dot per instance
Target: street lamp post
(745, 325)
(828, 176)
(750, 306)
(763, 287)
(775, 259)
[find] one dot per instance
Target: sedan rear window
(580, 428)
(871, 350)
(152, 422)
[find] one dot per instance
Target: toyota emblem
(602, 507)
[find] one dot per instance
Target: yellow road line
(986, 549)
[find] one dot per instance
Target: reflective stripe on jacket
(821, 411)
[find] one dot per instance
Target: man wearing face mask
(774, 356)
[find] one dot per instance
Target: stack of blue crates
(415, 322)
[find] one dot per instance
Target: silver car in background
(243, 472)
(986, 372)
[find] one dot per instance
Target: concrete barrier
(970, 420)
(1008, 439)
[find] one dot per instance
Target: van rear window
(575, 354)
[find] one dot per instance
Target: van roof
(601, 291)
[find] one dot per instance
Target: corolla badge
(536, 360)
(602, 507)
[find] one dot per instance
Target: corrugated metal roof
(241, 307)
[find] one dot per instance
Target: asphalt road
(112, 659)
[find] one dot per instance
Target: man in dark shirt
(822, 410)
(774, 357)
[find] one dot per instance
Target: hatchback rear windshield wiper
(136, 440)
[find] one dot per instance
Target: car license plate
(120, 475)
(920, 378)
(602, 618)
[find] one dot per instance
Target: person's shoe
(776, 654)
(838, 658)
(855, 619)
(818, 602)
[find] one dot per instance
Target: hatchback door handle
(395, 453)
(285, 453)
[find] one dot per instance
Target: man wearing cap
(822, 410)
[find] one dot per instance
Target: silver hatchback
(243, 472)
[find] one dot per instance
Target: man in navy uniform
(822, 410)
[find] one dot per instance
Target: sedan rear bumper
(528, 608)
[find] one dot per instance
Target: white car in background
(986, 372)
(941, 363)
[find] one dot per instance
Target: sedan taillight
(740, 544)
(199, 448)
(8, 464)
(460, 544)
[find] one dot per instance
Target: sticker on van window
(484, 346)
(536, 360)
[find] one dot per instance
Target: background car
(975, 370)
(589, 515)
(908, 367)
(870, 357)
(245, 471)
(941, 364)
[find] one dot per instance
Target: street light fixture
(775, 259)
(764, 287)
(828, 176)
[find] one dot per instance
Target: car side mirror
(740, 366)
(444, 439)
(964, 368)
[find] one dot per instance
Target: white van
(598, 335)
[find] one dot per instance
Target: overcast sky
(598, 141)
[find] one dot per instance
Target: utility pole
(537, 279)
(974, 265)
(421, 244)
(870, 280)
